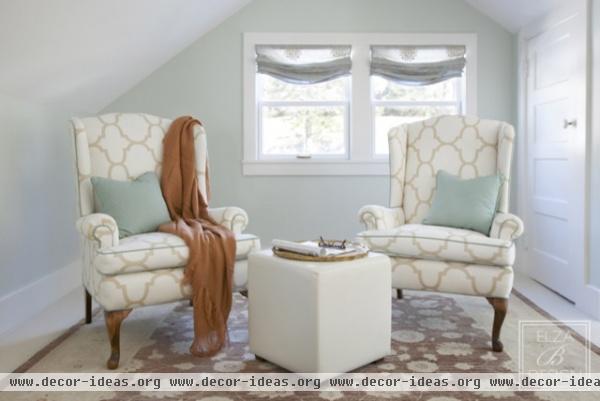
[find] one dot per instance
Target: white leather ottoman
(319, 317)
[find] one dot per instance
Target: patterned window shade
(418, 65)
(303, 64)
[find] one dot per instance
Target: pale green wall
(37, 199)
(206, 80)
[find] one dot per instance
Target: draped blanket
(209, 269)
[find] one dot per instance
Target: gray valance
(418, 65)
(308, 64)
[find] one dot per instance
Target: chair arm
(99, 227)
(380, 218)
(506, 226)
(231, 217)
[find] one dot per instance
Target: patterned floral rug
(429, 334)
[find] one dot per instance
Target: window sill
(316, 167)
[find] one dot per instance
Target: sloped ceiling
(515, 14)
(82, 54)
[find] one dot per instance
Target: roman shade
(418, 65)
(304, 64)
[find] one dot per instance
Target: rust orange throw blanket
(211, 247)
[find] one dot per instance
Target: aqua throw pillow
(137, 206)
(469, 204)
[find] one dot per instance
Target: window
(302, 121)
(322, 104)
(302, 100)
(412, 83)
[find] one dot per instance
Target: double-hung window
(303, 103)
(412, 83)
(323, 104)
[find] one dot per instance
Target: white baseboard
(21, 305)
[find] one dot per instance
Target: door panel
(555, 173)
(550, 70)
(549, 117)
(549, 243)
(550, 186)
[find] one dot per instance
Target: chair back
(461, 145)
(122, 146)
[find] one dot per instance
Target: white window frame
(361, 158)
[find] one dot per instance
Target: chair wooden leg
(500, 306)
(399, 294)
(88, 307)
(113, 321)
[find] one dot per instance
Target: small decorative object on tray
(332, 243)
(319, 251)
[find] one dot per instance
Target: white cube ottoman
(319, 316)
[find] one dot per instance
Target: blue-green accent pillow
(137, 206)
(469, 204)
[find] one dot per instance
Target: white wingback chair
(145, 269)
(445, 259)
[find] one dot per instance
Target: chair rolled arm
(230, 217)
(99, 227)
(376, 217)
(506, 226)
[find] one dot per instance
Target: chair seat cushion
(440, 243)
(153, 251)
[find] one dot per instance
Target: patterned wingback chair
(145, 269)
(445, 259)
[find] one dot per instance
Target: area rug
(430, 333)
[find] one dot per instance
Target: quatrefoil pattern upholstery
(435, 258)
(463, 146)
(143, 269)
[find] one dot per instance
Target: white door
(556, 150)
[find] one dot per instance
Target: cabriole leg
(113, 321)
(500, 306)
